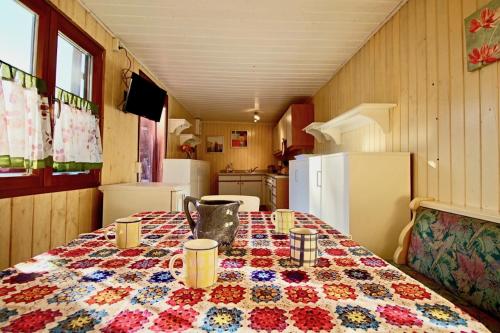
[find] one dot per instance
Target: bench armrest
(401, 253)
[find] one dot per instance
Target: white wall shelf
(313, 129)
(176, 126)
(189, 139)
(358, 116)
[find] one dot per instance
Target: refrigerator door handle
(318, 178)
(296, 176)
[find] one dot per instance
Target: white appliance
(121, 200)
(305, 185)
(364, 195)
(193, 173)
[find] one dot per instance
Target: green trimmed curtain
(77, 138)
(25, 131)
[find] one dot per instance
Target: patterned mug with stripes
(200, 262)
(303, 246)
(283, 220)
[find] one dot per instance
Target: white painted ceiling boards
(218, 57)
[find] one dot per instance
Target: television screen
(145, 98)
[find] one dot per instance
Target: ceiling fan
(255, 109)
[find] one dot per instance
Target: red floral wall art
(482, 35)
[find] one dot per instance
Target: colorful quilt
(90, 285)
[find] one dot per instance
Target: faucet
(252, 169)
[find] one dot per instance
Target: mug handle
(187, 201)
(106, 234)
(171, 266)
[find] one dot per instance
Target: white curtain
(25, 132)
(77, 139)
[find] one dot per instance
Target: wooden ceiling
(220, 57)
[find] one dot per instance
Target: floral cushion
(459, 252)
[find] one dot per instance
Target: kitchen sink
(237, 171)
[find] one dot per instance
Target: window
(51, 47)
(74, 68)
(22, 52)
(18, 49)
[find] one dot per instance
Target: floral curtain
(77, 139)
(25, 131)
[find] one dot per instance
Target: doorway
(152, 145)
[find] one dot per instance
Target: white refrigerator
(192, 175)
(305, 185)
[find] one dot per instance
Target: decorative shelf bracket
(189, 139)
(176, 126)
(358, 116)
(332, 133)
(313, 129)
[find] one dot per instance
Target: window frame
(49, 22)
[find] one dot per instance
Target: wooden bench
(455, 251)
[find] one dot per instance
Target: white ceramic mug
(200, 257)
(127, 231)
(283, 220)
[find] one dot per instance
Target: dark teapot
(217, 220)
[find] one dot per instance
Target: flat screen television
(144, 98)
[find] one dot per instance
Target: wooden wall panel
(258, 154)
(72, 209)
(5, 228)
(57, 228)
(22, 228)
(446, 116)
(33, 224)
(85, 211)
(472, 127)
(42, 215)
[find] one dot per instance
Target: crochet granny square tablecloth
(90, 285)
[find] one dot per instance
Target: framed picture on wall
(482, 36)
(239, 139)
(215, 144)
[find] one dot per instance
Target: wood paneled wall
(258, 154)
(446, 116)
(33, 224)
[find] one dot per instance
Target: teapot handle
(194, 201)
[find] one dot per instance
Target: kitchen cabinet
(229, 187)
(276, 139)
(253, 188)
(276, 192)
(289, 129)
(241, 185)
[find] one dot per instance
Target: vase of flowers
(188, 150)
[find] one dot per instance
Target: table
(90, 285)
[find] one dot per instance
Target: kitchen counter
(275, 175)
(271, 188)
(255, 173)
